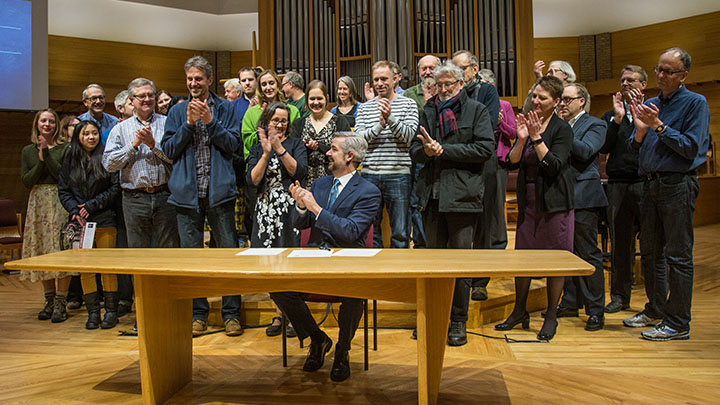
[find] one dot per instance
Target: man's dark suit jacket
(347, 222)
(589, 137)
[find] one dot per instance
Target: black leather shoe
(507, 325)
(316, 354)
(414, 335)
(563, 312)
(290, 331)
(547, 332)
(595, 322)
(341, 366)
(479, 294)
(457, 336)
(616, 306)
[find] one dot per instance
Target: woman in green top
(268, 91)
(41, 163)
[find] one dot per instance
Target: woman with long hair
(317, 130)
(67, 126)
(90, 194)
(268, 91)
(275, 163)
(163, 100)
(347, 100)
(41, 163)
(545, 195)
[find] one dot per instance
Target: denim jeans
(667, 236)
(191, 224)
(624, 218)
(395, 190)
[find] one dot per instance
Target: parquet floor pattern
(44, 363)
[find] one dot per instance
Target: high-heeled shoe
(507, 325)
(545, 333)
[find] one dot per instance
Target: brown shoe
(198, 327)
(233, 327)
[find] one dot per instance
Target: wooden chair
(10, 227)
(330, 300)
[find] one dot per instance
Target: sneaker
(640, 320)
(198, 327)
(232, 327)
(663, 332)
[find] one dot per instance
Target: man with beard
(339, 209)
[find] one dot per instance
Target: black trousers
(493, 232)
(292, 304)
(624, 217)
(451, 230)
(586, 290)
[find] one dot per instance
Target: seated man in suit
(339, 209)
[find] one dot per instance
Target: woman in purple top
(545, 195)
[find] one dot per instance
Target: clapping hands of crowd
(198, 110)
(430, 146)
(644, 116)
(529, 127)
(144, 135)
(304, 198)
(270, 139)
(42, 144)
(538, 69)
(383, 104)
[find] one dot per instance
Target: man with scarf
(454, 141)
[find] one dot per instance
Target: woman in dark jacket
(545, 195)
(89, 193)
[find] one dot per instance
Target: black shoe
(316, 354)
(92, 304)
(563, 312)
(507, 325)
(341, 366)
(274, 330)
(290, 331)
(547, 332)
(123, 309)
(457, 336)
(595, 322)
(74, 304)
(414, 334)
(111, 307)
(616, 306)
(479, 294)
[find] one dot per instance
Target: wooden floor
(43, 363)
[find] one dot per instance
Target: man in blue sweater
(671, 139)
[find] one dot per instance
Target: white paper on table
(357, 252)
(261, 252)
(311, 253)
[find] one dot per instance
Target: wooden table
(166, 280)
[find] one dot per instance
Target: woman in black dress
(545, 195)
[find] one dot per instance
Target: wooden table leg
(434, 299)
(164, 339)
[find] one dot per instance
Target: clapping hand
(529, 127)
(383, 105)
(264, 141)
(618, 107)
(538, 69)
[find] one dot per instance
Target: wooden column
(524, 44)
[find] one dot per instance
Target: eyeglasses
(447, 85)
(568, 100)
(667, 72)
(146, 96)
(464, 67)
(628, 79)
(278, 123)
(96, 98)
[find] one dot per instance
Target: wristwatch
(660, 129)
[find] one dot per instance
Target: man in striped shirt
(133, 148)
(388, 123)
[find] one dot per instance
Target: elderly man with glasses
(93, 97)
(671, 139)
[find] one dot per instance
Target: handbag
(70, 235)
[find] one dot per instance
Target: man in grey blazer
(589, 137)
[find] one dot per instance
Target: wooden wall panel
(698, 35)
(14, 136)
(75, 62)
(559, 48)
(239, 59)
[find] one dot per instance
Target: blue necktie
(333, 192)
